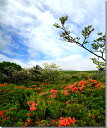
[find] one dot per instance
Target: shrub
(66, 77)
(20, 77)
(35, 73)
(50, 73)
(100, 75)
(6, 70)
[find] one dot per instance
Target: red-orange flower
(67, 102)
(28, 120)
(22, 87)
(66, 93)
(32, 108)
(53, 91)
(63, 122)
(28, 114)
(43, 93)
(74, 89)
(93, 116)
(2, 113)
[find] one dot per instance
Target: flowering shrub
(63, 122)
(80, 103)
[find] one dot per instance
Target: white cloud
(72, 62)
(34, 19)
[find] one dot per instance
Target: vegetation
(98, 45)
(56, 99)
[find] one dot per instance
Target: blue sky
(28, 37)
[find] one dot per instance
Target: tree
(98, 45)
(7, 69)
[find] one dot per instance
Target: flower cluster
(1, 113)
(63, 122)
(22, 87)
(32, 105)
(4, 84)
(43, 93)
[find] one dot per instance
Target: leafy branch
(98, 45)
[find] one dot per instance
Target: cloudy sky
(28, 37)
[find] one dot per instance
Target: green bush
(50, 73)
(35, 73)
(20, 77)
(100, 75)
(6, 70)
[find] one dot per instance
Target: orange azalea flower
(66, 93)
(67, 102)
(22, 87)
(53, 91)
(32, 108)
(2, 113)
(52, 95)
(80, 88)
(28, 114)
(81, 83)
(30, 102)
(33, 85)
(43, 93)
(50, 101)
(43, 84)
(63, 122)
(74, 89)
(93, 116)
(28, 120)
(4, 84)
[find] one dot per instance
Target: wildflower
(28, 120)
(53, 91)
(66, 93)
(43, 93)
(2, 113)
(28, 114)
(74, 89)
(32, 108)
(43, 84)
(1, 90)
(33, 85)
(81, 83)
(63, 122)
(4, 84)
(22, 87)
(67, 102)
(80, 88)
(93, 116)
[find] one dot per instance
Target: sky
(28, 37)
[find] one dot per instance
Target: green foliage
(35, 73)
(6, 70)
(100, 64)
(87, 107)
(20, 77)
(50, 73)
(98, 45)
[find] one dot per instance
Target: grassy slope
(75, 72)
